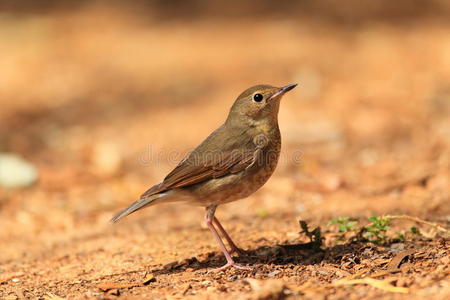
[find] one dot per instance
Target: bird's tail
(143, 202)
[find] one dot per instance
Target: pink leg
(233, 246)
(209, 222)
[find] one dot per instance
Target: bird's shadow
(283, 254)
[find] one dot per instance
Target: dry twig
(415, 219)
(379, 284)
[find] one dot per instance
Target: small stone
(396, 247)
(16, 172)
(274, 273)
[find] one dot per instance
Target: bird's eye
(258, 97)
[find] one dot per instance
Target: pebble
(16, 172)
(396, 247)
(274, 273)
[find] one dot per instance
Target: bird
(232, 163)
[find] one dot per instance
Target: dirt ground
(104, 102)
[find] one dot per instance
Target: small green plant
(344, 225)
(414, 230)
(401, 237)
(375, 232)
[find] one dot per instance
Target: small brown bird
(230, 164)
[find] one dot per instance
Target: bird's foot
(232, 264)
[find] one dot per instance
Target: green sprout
(375, 232)
(414, 230)
(344, 225)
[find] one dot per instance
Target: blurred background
(100, 99)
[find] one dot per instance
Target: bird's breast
(240, 185)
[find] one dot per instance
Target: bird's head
(258, 103)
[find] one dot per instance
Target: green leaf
(414, 230)
(352, 223)
(373, 219)
(331, 222)
(342, 228)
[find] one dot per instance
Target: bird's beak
(283, 90)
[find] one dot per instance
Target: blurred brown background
(100, 99)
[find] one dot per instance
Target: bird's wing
(219, 155)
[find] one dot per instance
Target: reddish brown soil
(105, 102)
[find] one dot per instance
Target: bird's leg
(233, 246)
(210, 210)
